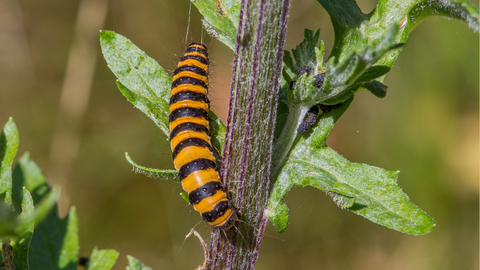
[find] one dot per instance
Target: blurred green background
(77, 126)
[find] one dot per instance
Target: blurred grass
(426, 127)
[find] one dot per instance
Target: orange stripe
(197, 120)
(207, 204)
(223, 219)
(191, 75)
(196, 54)
(199, 178)
(191, 153)
(187, 134)
(198, 46)
(189, 87)
(193, 62)
(190, 104)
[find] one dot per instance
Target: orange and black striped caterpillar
(190, 139)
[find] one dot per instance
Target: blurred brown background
(77, 126)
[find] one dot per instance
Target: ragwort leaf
(365, 190)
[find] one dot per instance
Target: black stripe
(227, 224)
(188, 112)
(199, 58)
(204, 191)
(189, 126)
(189, 80)
(191, 68)
(189, 95)
(198, 43)
(196, 165)
(196, 49)
(190, 142)
(218, 211)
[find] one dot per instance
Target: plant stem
(288, 135)
(251, 121)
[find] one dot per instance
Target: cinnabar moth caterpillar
(190, 139)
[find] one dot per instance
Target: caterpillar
(190, 139)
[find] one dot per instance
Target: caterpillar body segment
(191, 142)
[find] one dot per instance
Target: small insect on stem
(191, 142)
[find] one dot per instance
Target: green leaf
(28, 174)
(220, 19)
(304, 53)
(218, 133)
(342, 79)
(141, 79)
(345, 78)
(376, 88)
(21, 243)
(184, 196)
(8, 221)
(155, 173)
(352, 26)
(102, 259)
(365, 190)
(8, 149)
(372, 73)
(134, 264)
(19, 223)
(55, 242)
(459, 10)
(365, 49)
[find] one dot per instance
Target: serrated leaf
(304, 53)
(345, 78)
(102, 259)
(8, 149)
(142, 80)
(134, 264)
(352, 26)
(156, 173)
(373, 191)
(220, 19)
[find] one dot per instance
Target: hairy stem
(251, 121)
